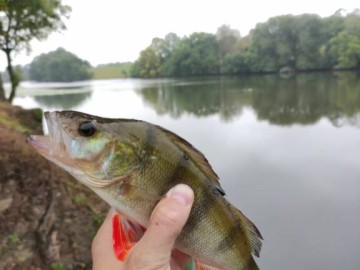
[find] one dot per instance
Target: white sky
(117, 30)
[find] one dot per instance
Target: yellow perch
(131, 164)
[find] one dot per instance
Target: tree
(331, 27)
(59, 66)
(345, 46)
(152, 60)
(311, 40)
(238, 62)
(2, 91)
(228, 39)
(195, 55)
(164, 47)
(21, 21)
(148, 64)
(303, 42)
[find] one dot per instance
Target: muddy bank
(47, 219)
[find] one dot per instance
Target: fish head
(88, 147)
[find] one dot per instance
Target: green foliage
(14, 239)
(152, 60)
(345, 46)
(304, 42)
(22, 21)
(148, 64)
(57, 266)
(80, 199)
(38, 114)
(288, 41)
(113, 70)
(14, 124)
(98, 219)
(172, 56)
(227, 38)
(59, 66)
(352, 23)
(238, 62)
(194, 56)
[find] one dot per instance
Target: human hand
(155, 249)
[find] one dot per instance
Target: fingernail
(181, 193)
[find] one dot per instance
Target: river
(287, 150)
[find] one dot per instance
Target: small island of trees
(59, 66)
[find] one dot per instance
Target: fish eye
(87, 129)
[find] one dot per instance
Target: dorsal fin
(253, 234)
(196, 156)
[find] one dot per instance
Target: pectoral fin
(125, 235)
(201, 266)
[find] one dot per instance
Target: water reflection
(302, 99)
(63, 101)
(201, 99)
(299, 184)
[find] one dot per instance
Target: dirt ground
(47, 219)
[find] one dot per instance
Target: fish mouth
(45, 144)
(53, 145)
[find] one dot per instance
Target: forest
(284, 43)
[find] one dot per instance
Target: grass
(57, 266)
(112, 71)
(14, 239)
(80, 199)
(12, 123)
(98, 219)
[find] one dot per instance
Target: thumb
(166, 222)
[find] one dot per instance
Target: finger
(166, 222)
(102, 249)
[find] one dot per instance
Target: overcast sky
(117, 30)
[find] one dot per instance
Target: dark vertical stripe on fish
(149, 146)
(230, 239)
(203, 204)
(177, 175)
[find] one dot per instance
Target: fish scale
(131, 164)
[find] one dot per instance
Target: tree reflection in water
(302, 99)
(64, 102)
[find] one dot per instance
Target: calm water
(287, 151)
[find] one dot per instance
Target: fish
(131, 164)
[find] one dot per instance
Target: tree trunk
(13, 78)
(2, 90)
